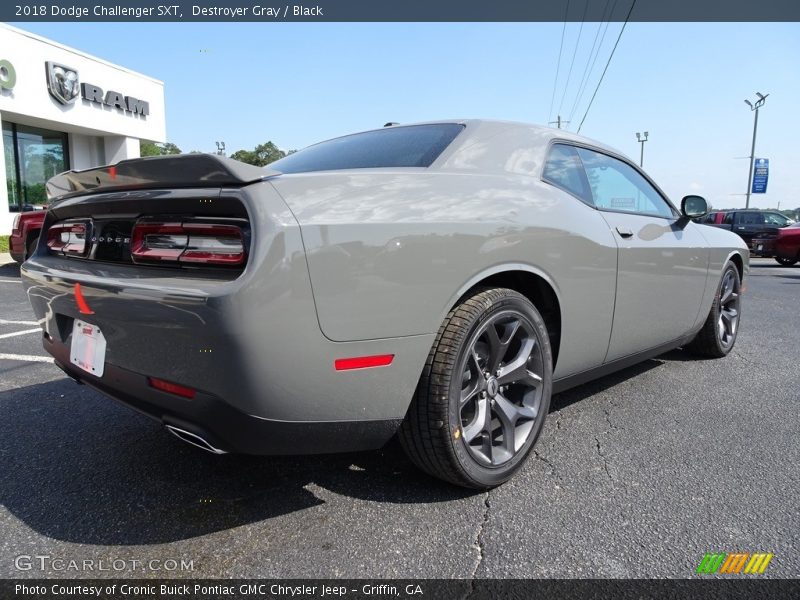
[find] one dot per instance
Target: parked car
(437, 280)
(25, 234)
(749, 224)
(784, 246)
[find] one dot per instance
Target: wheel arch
(737, 260)
(532, 283)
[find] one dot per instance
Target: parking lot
(638, 474)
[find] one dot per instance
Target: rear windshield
(412, 146)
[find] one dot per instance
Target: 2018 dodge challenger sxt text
(439, 279)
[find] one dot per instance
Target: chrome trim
(193, 439)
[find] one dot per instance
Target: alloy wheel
(728, 309)
(501, 388)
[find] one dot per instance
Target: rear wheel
(786, 262)
(719, 332)
(484, 392)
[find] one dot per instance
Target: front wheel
(718, 335)
(786, 262)
(484, 392)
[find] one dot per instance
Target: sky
(299, 83)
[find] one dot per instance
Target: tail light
(68, 238)
(187, 242)
(15, 226)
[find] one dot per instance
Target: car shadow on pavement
(78, 467)
(770, 265)
(794, 278)
(581, 392)
(10, 270)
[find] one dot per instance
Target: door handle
(624, 232)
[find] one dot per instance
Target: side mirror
(694, 207)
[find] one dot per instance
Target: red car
(25, 234)
(784, 246)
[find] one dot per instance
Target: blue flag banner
(760, 176)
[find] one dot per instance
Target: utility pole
(558, 122)
(754, 108)
(641, 139)
(220, 148)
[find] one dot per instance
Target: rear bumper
(220, 424)
(764, 247)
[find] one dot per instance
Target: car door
(662, 261)
(748, 225)
(772, 223)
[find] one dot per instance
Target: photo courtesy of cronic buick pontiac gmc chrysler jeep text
(438, 281)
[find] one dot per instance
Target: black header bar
(398, 10)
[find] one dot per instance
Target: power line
(558, 64)
(587, 73)
(607, 63)
(574, 53)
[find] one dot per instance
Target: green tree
(262, 155)
(153, 149)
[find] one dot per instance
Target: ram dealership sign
(8, 75)
(63, 85)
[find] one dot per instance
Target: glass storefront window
(32, 156)
(11, 169)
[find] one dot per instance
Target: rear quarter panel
(391, 252)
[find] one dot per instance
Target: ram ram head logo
(62, 82)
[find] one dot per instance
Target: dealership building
(63, 109)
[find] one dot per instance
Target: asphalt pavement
(638, 474)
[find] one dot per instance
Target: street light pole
(641, 139)
(754, 108)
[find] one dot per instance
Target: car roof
(485, 128)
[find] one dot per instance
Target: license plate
(88, 349)
(760, 247)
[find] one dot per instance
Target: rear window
(412, 146)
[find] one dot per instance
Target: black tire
(786, 262)
(718, 335)
(440, 419)
(31, 248)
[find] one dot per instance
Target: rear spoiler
(178, 171)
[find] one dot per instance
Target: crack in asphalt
(747, 359)
(607, 412)
(479, 544)
(547, 462)
(603, 456)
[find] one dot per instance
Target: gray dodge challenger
(438, 281)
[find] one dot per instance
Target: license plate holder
(88, 348)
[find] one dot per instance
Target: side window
(728, 219)
(752, 218)
(618, 186)
(563, 169)
(776, 219)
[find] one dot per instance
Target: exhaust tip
(193, 439)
